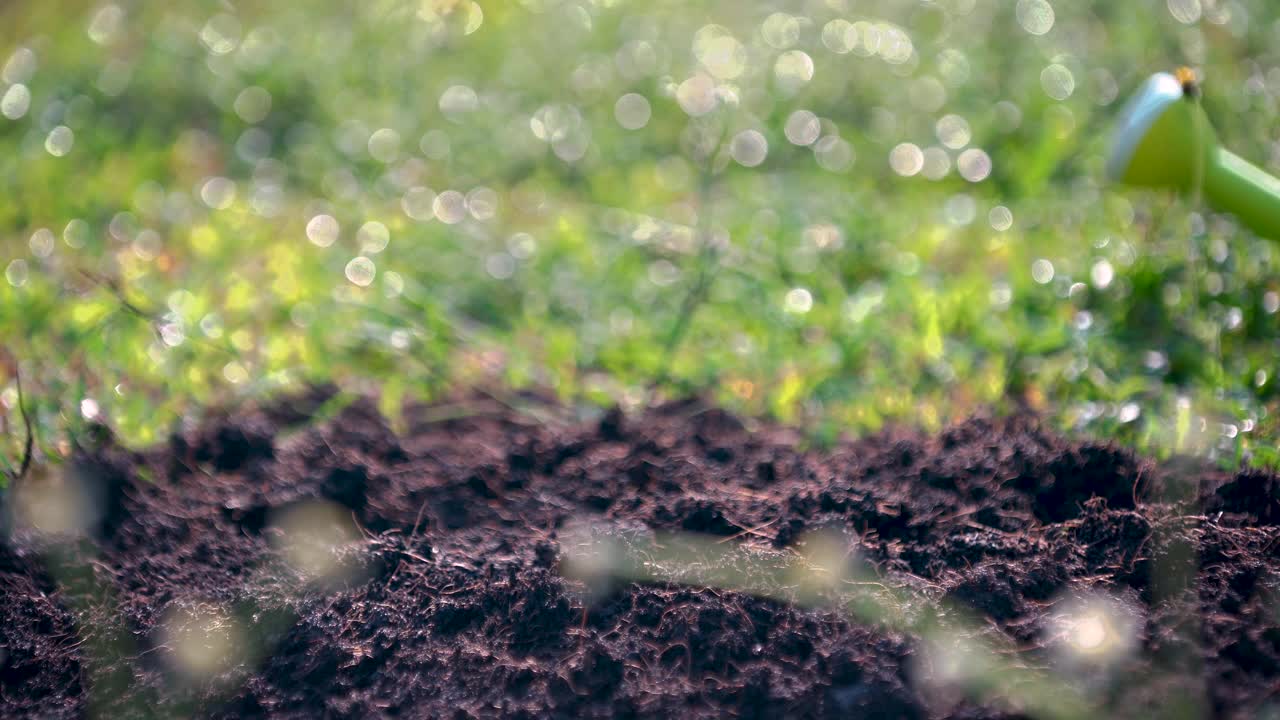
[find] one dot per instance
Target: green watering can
(1164, 139)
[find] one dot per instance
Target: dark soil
(462, 612)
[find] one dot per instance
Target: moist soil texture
(454, 605)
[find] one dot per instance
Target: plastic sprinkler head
(1164, 139)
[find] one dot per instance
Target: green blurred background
(836, 213)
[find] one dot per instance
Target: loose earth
(453, 603)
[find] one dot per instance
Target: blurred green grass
(159, 189)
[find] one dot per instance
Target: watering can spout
(1163, 140)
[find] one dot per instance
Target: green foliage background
(603, 261)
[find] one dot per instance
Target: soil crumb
(197, 589)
